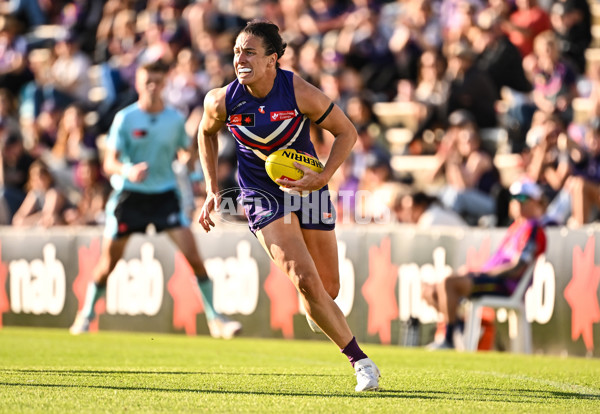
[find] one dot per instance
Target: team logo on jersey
(139, 133)
(282, 115)
(242, 119)
(261, 109)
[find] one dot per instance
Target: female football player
(266, 109)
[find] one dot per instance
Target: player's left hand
(310, 182)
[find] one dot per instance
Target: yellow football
(280, 164)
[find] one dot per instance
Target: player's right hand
(138, 172)
(212, 202)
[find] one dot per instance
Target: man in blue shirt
(141, 146)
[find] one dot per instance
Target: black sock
(460, 324)
(450, 333)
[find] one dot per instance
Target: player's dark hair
(269, 33)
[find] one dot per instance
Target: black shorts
(488, 285)
(131, 212)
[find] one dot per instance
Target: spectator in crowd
(418, 28)
(502, 9)
(153, 44)
(309, 61)
(34, 12)
(554, 80)
(218, 71)
(525, 23)
(571, 22)
(322, 16)
(367, 148)
(45, 127)
(470, 88)
(578, 201)
(13, 55)
(471, 176)
(14, 173)
(377, 189)
(522, 244)
(106, 30)
(186, 85)
(329, 83)
(9, 117)
(360, 111)
(502, 61)
(554, 85)
(44, 203)
(429, 98)
(496, 55)
(70, 69)
(37, 91)
(425, 211)
(457, 18)
(74, 143)
(83, 18)
(344, 185)
(365, 49)
(590, 82)
(291, 12)
(544, 164)
(351, 85)
(94, 190)
(120, 46)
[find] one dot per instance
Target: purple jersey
(261, 126)
(525, 240)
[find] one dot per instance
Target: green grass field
(47, 370)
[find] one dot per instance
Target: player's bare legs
(111, 253)
(429, 295)
(449, 293)
(322, 246)
(185, 241)
(218, 325)
(317, 280)
(286, 246)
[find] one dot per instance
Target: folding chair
(519, 330)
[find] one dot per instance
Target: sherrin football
(280, 164)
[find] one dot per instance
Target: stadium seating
(519, 329)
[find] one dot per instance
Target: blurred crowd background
(453, 100)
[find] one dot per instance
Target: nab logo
(136, 285)
(38, 287)
(236, 281)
